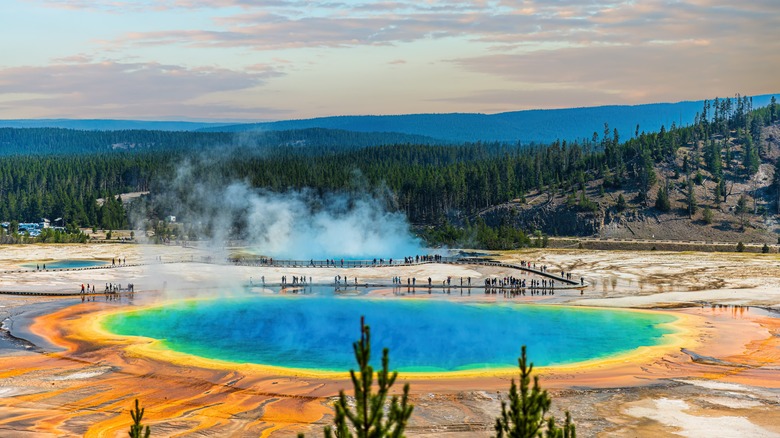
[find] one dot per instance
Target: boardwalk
(348, 265)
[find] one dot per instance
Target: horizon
(287, 60)
(174, 119)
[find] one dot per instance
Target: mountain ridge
(526, 126)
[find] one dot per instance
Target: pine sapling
(137, 429)
(368, 419)
(524, 415)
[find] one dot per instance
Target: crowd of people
(543, 268)
(88, 292)
(508, 285)
(296, 280)
(335, 263)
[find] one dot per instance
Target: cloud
(157, 5)
(124, 89)
(264, 31)
(269, 24)
(643, 52)
(597, 51)
(508, 25)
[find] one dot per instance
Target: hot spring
(423, 335)
(65, 264)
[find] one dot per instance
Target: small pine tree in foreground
(368, 418)
(137, 429)
(524, 415)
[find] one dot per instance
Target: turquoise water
(66, 264)
(422, 335)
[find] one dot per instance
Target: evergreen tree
(742, 204)
(776, 184)
(720, 191)
(368, 418)
(662, 199)
(137, 430)
(620, 205)
(750, 159)
(712, 159)
(706, 215)
(741, 210)
(690, 199)
(524, 415)
(647, 177)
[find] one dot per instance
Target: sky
(251, 60)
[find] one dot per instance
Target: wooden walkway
(319, 264)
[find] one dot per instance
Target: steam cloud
(297, 224)
(302, 225)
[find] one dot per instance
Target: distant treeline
(51, 141)
(436, 186)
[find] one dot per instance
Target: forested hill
(532, 126)
(47, 141)
(718, 179)
(109, 124)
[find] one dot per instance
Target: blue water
(66, 264)
(422, 335)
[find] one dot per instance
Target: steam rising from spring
(296, 224)
(302, 225)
